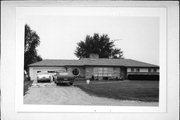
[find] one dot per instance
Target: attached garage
(34, 70)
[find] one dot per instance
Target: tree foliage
(32, 40)
(97, 44)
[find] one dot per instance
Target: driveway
(50, 94)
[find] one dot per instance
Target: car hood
(43, 76)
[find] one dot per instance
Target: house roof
(92, 62)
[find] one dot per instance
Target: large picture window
(103, 71)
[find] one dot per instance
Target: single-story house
(97, 68)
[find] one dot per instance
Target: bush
(143, 77)
(26, 78)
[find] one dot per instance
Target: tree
(32, 40)
(97, 44)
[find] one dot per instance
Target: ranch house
(98, 68)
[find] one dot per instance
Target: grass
(27, 84)
(147, 91)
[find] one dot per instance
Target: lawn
(147, 91)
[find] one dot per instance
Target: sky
(59, 35)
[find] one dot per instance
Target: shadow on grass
(64, 85)
(27, 84)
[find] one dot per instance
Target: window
(137, 69)
(100, 70)
(38, 71)
(109, 74)
(103, 71)
(95, 70)
(151, 70)
(95, 75)
(76, 71)
(154, 70)
(132, 69)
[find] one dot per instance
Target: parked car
(63, 77)
(43, 77)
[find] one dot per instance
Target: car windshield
(41, 73)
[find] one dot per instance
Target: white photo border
(22, 12)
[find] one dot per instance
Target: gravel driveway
(50, 94)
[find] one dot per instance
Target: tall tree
(32, 40)
(97, 44)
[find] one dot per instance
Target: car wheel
(70, 83)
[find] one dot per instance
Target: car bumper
(64, 81)
(43, 80)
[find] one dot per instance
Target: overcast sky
(139, 36)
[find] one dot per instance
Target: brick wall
(88, 72)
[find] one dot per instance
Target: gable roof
(91, 62)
